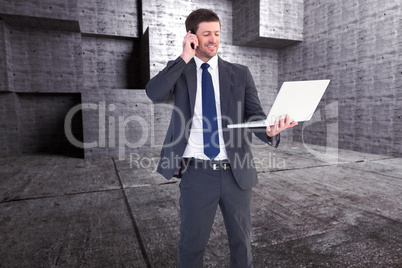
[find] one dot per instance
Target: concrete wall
(106, 51)
(358, 45)
(52, 50)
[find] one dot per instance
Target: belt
(206, 164)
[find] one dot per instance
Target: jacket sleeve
(254, 112)
(161, 86)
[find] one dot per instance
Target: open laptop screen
(299, 99)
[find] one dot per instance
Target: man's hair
(198, 16)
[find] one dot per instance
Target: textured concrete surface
(356, 44)
(267, 24)
(57, 211)
(94, 47)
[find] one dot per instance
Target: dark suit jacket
(239, 103)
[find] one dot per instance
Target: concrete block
(43, 57)
(106, 62)
(117, 18)
(269, 24)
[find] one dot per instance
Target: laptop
(299, 99)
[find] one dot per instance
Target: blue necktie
(210, 121)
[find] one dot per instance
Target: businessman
(215, 163)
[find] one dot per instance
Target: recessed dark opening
(42, 117)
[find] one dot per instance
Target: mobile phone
(192, 45)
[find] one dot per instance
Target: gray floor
(311, 209)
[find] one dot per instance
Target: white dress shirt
(195, 145)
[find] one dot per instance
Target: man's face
(208, 34)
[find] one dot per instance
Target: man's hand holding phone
(190, 44)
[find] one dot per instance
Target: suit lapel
(191, 77)
(224, 84)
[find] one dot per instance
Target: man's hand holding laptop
(283, 124)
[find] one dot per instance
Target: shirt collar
(213, 62)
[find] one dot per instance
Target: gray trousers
(201, 191)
